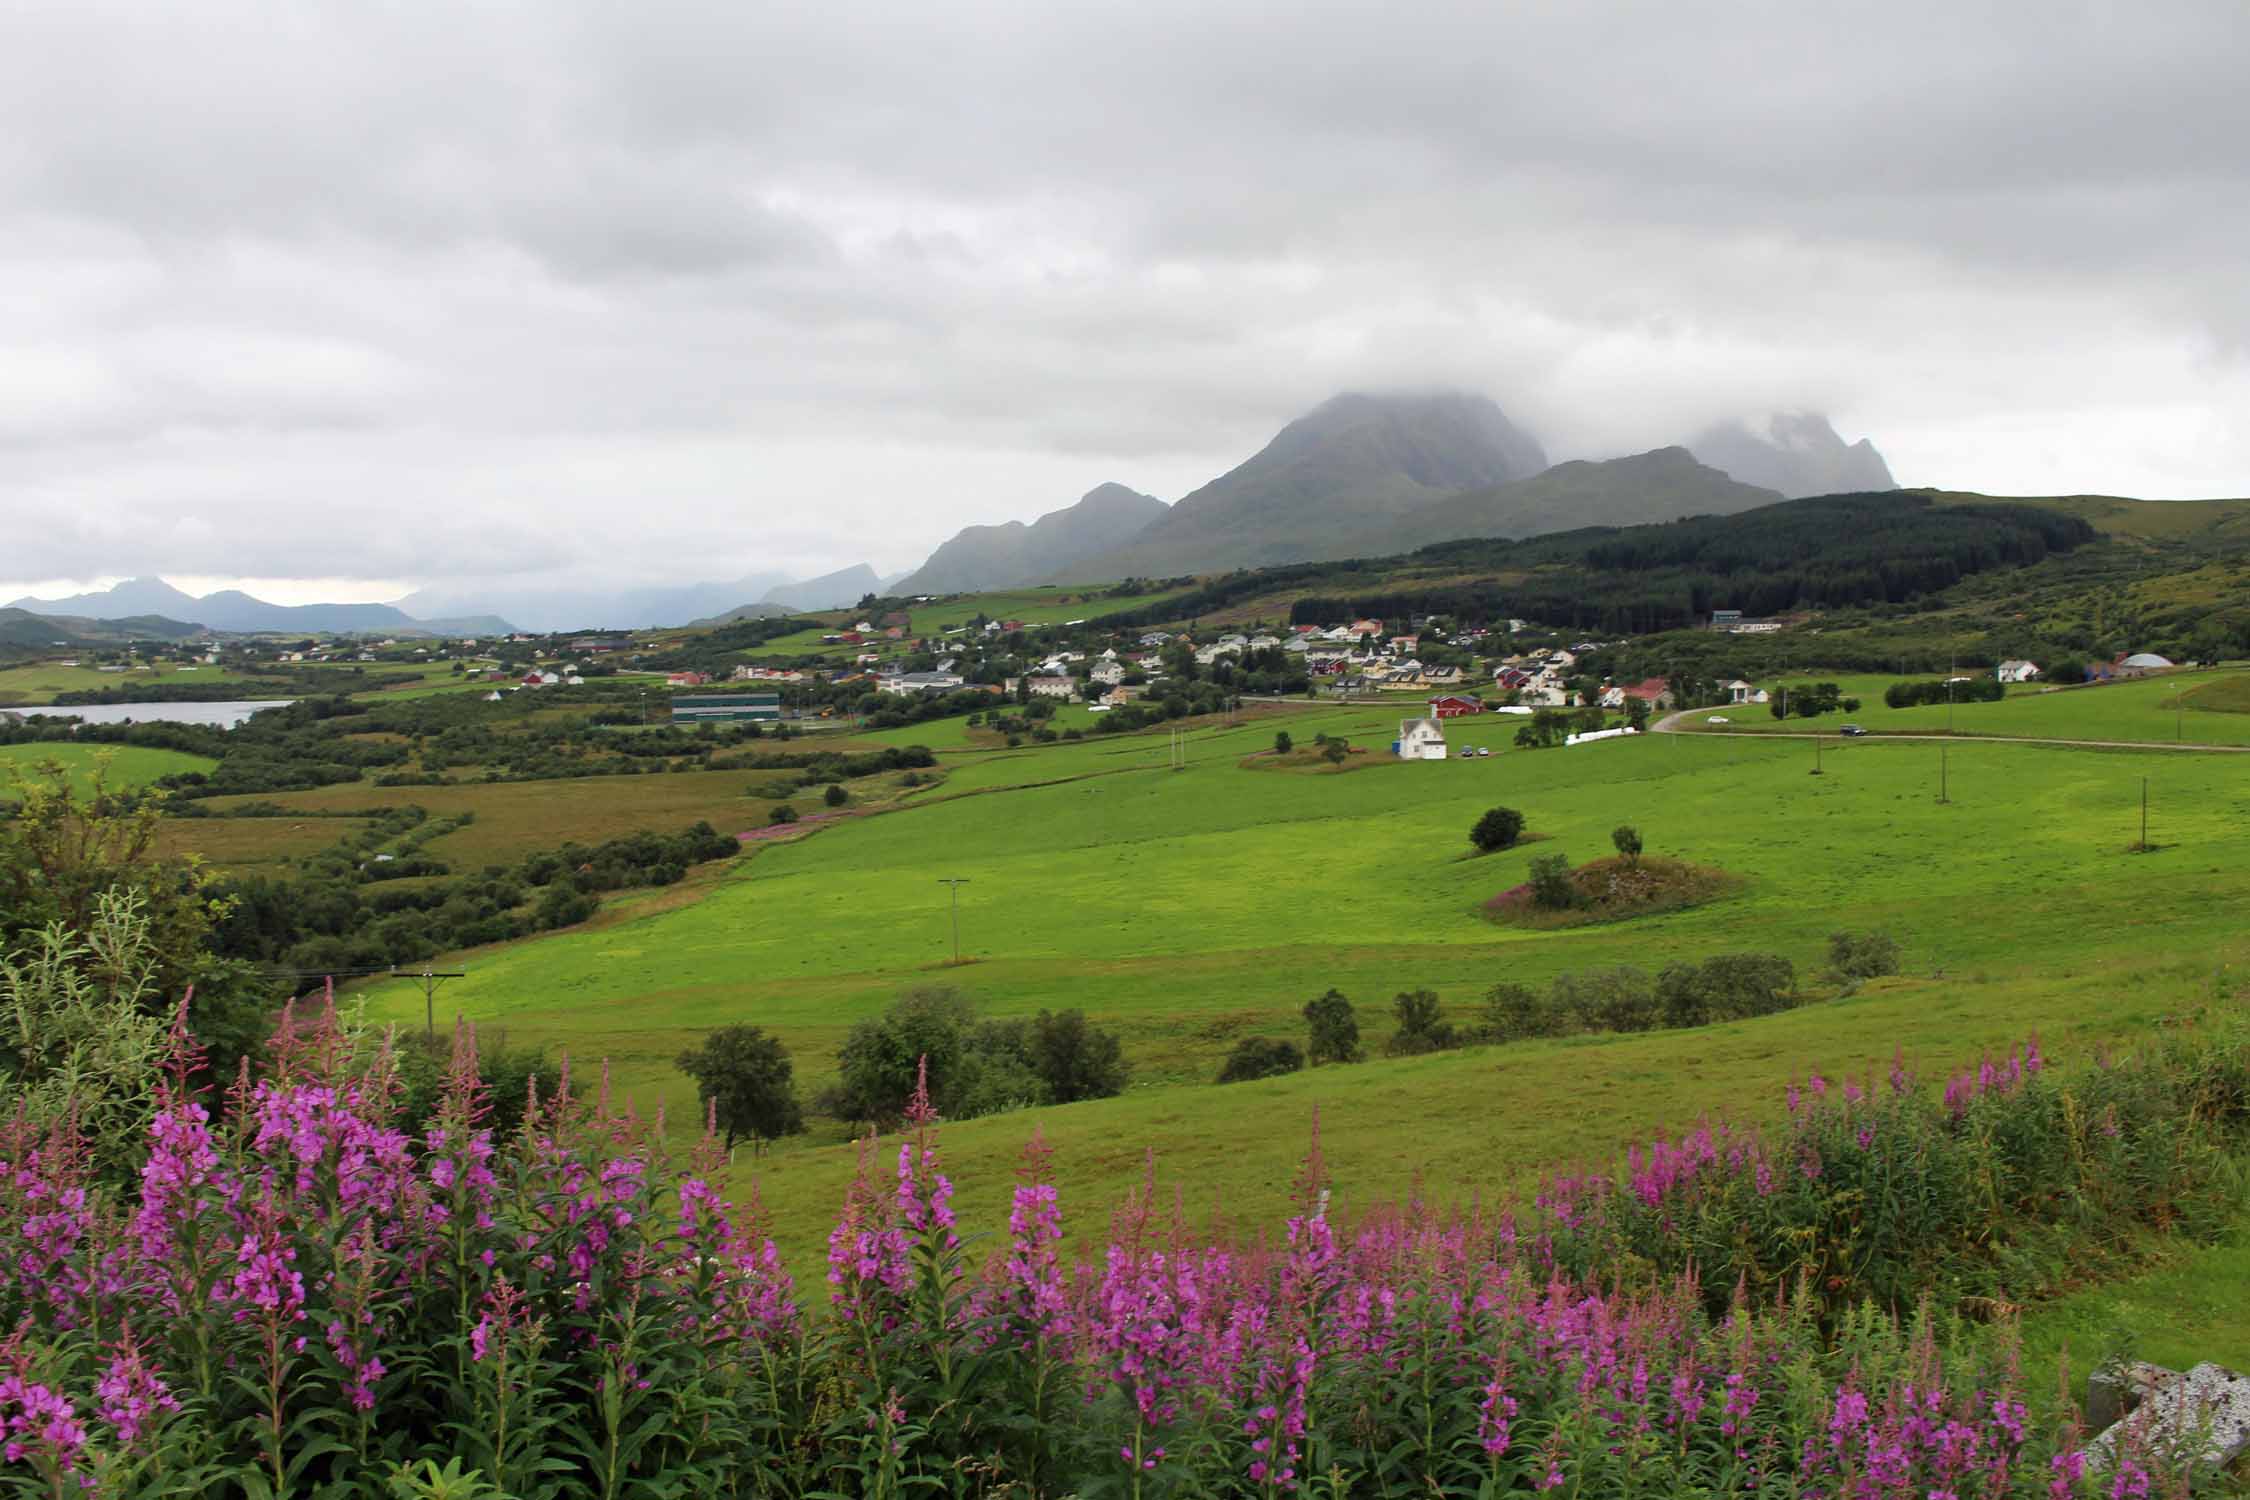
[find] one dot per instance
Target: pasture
(129, 765)
(1190, 908)
(38, 682)
(2196, 708)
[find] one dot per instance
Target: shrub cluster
(310, 1295)
(1944, 690)
(932, 1037)
(329, 919)
(1728, 987)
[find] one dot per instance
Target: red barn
(1453, 706)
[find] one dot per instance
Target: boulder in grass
(2200, 1419)
(2114, 1392)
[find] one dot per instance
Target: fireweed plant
(303, 1299)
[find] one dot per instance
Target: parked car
(1717, 719)
(1484, 749)
(1853, 730)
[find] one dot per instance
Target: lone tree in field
(1422, 1027)
(1282, 743)
(1335, 1030)
(746, 1079)
(1551, 885)
(835, 796)
(1335, 750)
(1627, 838)
(1500, 828)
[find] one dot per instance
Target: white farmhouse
(1419, 739)
(2018, 671)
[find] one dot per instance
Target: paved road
(1669, 724)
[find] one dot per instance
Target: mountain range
(1795, 453)
(234, 611)
(991, 557)
(1369, 474)
(1362, 474)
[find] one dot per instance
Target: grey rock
(2200, 1419)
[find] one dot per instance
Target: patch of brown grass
(1615, 889)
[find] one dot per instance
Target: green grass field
(2192, 1306)
(2197, 708)
(1191, 908)
(40, 681)
(129, 765)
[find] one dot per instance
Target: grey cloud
(707, 288)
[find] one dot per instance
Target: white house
(1051, 687)
(1107, 673)
(1738, 691)
(1419, 739)
(2018, 671)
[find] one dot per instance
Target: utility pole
(1949, 664)
(1816, 752)
(430, 979)
(1941, 783)
(2144, 815)
(956, 882)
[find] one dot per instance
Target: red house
(1453, 706)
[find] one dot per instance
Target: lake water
(223, 715)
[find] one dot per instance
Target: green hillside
(1192, 908)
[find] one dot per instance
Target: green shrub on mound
(1608, 890)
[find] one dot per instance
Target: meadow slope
(1189, 908)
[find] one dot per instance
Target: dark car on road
(1852, 729)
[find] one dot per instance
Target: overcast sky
(347, 297)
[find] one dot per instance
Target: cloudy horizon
(343, 302)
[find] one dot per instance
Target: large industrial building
(727, 708)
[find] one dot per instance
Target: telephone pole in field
(955, 882)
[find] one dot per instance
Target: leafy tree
(1335, 751)
(1618, 999)
(746, 1079)
(836, 796)
(1551, 885)
(1862, 955)
(1282, 743)
(1335, 1030)
(1627, 838)
(1513, 1012)
(1726, 987)
(1636, 712)
(1076, 1059)
(1260, 1057)
(1499, 828)
(1421, 1026)
(782, 813)
(880, 1056)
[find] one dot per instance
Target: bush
(1551, 885)
(781, 813)
(1260, 1057)
(1515, 1012)
(1499, 828)
(1862, 955)
(1334, 1028)
(1421, 1026)
(836, 796)
(1728, 987)
(1282, 743)
(1627, 840)
(1619, 999)
(1076, 1059)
